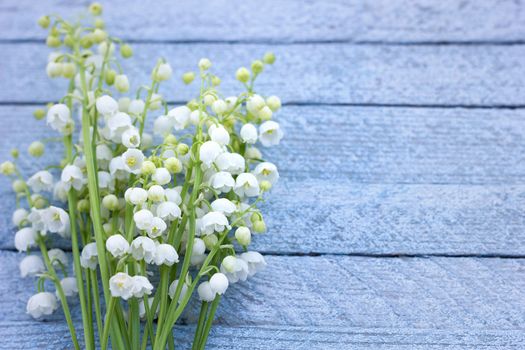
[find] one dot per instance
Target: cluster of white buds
(176, 196)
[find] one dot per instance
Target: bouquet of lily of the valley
(152, 219)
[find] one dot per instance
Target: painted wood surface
(478, 296)
(413, 75)
(287, 21)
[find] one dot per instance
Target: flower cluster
(176, 198)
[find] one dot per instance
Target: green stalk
(209, 322)
(107, 322)
(60, 291)
(96, 300)
(200, 325)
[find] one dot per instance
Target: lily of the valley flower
(41, 304)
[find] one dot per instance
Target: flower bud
(265, 185)
(110, 76)
(219, 283)
(53, 41)
(183, 149)
(173, 165)
(215, 80)
(83, 206)
(274, 103)
(99, 35)
(257, 67)
(86, 41)
(269, 58)
(7, 168)
(163, 72)
(44, 21)
(69, 41)
(39, 202)
(95, 9)
(188, 77)
(36, 149)
(242, 75)
(68, 70)
(204, 64)
(126, 51)
(110, 202)
(243, 235)
(39, 114)
(210, 241)
(121, 83)
(265, 113)
(219, 106)
(259, 226)
(15, 153)
(99, 23)
(19, 186)
(209, 99)
(170, 139)
(148, 167)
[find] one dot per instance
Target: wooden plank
(291, 20)
(460, 296)
(370, 180)
(311, 73)
(55, 335)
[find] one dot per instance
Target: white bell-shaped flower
(104, 155)
(136, 195)
(25, 238)
(163, 72)
(168, 211)
(249, 133)
(266, 171)
(19, 216)
(247, 185)
(209, 151)
(58, 257)
(161, 176)
(106, 181)
(107, 106)
(57, 221)
(224, 206)
(117, 124)
(41, 181)
(31, 265)
(131, 138)
(173, 288)
(117, 169)
(270, 133)
(180, 117)
(117, 246)
(89, 256)
(214, 221)
(69, 286)
(233, 163)
(121, 285)
(59, 118)
(234, 268)
(254, 260)
(143, 219)
(141, 286)
(157, 227)
(35, 217)
(219, 283)
(222, 182)
(205, 291)
(219, 134)
(143, 248)
(219, 107)
(41, 304)
(72, 176)
(156, 193)
(166, 255)
(254, 104)
(133, 159)
(173, 195)
(162, 125)
(136, 107)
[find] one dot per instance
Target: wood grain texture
(55, 336)
(286, 21)
(310, 73)
(461, 296)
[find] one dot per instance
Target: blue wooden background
(399, 221)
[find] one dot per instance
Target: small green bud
(242, 75)
(7, 168)
(39, 114)
(39, 202)
(210, 241)
(188, 77)
(148, 167)
(173, 165)
(86, 41)
(19, 186)
(170, 139)
(69, 41)
(204, 64)
(255, 217)
(265, 185)
(274, 103)
(122, 83)
(269, 58)
(265, 113)
(36, 149)
(183, 149)
(108, 228)
(126, 51)
(243, 236)
(209, 99)
(99, 35)
(110, 202)
(68, 70)
(99, 23)
(15, 153)
(257, 67)
(193, 105)
(95, 9)
(83, 206)
(53, 41)
(215, 80)
(259, 226)
(44, 21)
(110, 76)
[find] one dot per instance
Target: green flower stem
(134, 316)
(96, 298)
(163, 290)
(60, 291)
(109, 313)
(200, 325)
(209, 322)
